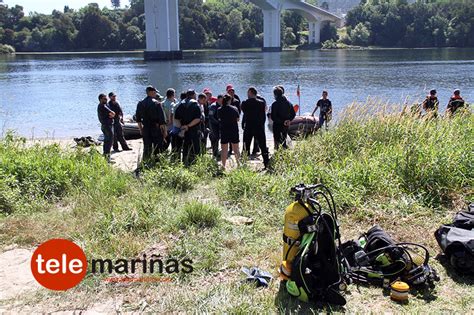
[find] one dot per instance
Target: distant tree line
(426, 23)
(237, 24)
(213, 24)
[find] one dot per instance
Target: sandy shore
(128, 160)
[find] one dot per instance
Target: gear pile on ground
(316, 266)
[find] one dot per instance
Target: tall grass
(388, 155)
(30, 175)
(372, 155)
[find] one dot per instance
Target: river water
(56, 95)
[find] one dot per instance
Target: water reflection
(59, 92)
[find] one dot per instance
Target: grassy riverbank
(407, 174)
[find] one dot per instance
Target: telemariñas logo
(60, 265)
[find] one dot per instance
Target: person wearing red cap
(210, 99)
(235, 99)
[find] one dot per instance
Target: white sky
(47, 6)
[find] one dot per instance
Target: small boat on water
(131, 130)
(302, 126)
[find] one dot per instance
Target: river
(56, 95)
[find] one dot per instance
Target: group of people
(111, 119)
(187, 123)
(431, 103)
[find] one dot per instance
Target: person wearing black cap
(282, 114)
(431, 103)
(190, 116)
(254, 114)
(118, 123)
(455, 102)
(106, 119)
(152, 124)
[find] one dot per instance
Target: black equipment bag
(375, 258)
(457, 241)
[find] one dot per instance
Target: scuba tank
(294, 213)
(312, 266)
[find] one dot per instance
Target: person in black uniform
(282, 114)
(189, 115)
(229, 116)
(254, 114)
(214, 135)
(202, 100)
(118, 121)
(152, 123)
(325, 109)
(235, 101)
(106, 119)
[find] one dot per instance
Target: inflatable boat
(301, 126)
(131, 131)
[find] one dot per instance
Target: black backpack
(318, 268)
(457, 241)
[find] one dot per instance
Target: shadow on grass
(452, 273)
(286, 304)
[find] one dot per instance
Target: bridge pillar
(162, 30)
(271, 30)
(314, 32)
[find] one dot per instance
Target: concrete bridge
(162, 25)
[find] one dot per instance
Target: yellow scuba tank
(291, 234)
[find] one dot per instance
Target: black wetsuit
(150, 113)
(255, 117)
(214, 136)
(188, 111)
(228, 116)
(282, 110)
(107, 126)
(118, 128)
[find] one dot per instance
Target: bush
(9, 195)
(206, 167)
(171, 176)
(360, 35)
(198, 215)
(6, 49)
(48, 172)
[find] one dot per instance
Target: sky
(47, 6)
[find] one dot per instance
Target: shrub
(6, 49)
(199, 215)
(47, 172)
(206, 167)
(171, 176)
(9, 195)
